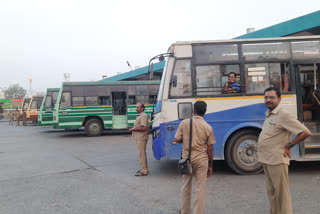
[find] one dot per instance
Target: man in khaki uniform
(141, 134)
(24, 117)
(11, 115)
(18, 116)
(201, 157)
(274, 150)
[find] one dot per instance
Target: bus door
(308, 98)
(119, 110)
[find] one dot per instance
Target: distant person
(18, 116)
(11, 117)
(274, 150)
(231, 85)
(201, 157)
(141, 134)
(24, 117)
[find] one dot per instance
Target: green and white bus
(102, 105)
(45, 115)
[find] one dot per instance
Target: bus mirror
(174, 81)
(161, 58)
(184, 110)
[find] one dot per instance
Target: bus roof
(152, 82)
(246, 40)
(309, 24)
(53, 89)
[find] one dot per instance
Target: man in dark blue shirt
(231, 85)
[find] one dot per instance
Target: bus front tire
(242, 153)
(93, 128)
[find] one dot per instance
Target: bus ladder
(311, 146)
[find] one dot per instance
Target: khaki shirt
(141, 120)
(202, 135)
(276, 134)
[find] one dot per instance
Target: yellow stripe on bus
(238, 98)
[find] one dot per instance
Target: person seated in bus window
(231, 85)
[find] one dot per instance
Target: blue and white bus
(198, 70)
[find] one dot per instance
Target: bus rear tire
(93, 128)
(242, 153)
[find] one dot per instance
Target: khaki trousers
(278, 188)
(142, 145)
(199, 171)
(18, 121)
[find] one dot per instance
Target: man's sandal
(141, 174)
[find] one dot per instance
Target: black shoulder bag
(183, 164)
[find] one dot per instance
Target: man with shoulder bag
(197, 135)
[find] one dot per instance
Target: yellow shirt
(202, 135)
(276, 134)
(141, 120)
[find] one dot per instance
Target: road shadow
(304, 166)
(169, 168)
(82, 133)
(220, 167)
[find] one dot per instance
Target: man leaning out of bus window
(231, 85)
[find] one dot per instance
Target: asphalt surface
(45, 171)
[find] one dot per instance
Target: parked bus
(32, 106)
(198, 70)
(102, 105)
(45, 115)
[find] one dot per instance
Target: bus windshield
(26, 103)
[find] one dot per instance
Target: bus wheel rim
(247, 152)
(94, 128)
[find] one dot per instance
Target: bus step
(312, 146)
(314, 127)
(309, 157)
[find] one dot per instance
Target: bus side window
(211, 79)
(279, 76)
(104, 100)
(91, 101)
(152, 99)
(142, 99)
(260, 76)
(131, 100)
(78, 101)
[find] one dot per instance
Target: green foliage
(15, 91)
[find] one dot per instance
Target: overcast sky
(41, 39)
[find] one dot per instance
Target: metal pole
(315, 76)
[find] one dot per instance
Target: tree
(15, 91)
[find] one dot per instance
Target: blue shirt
(234, 87)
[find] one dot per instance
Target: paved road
(44, 171)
